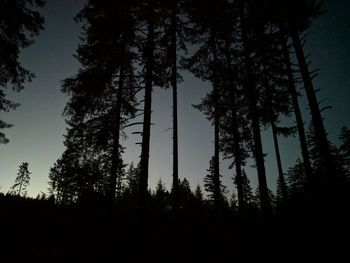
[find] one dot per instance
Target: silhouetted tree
(300, 15)
(233, 202)
(232, 135)
(247, 189)
(296, 179)
(82, 172)
(274, 97)
(344, 149)
(257, 202)
(252, 96)
(282, 195)
(20, 21)
(317, 161)
(150, 73)
(185, 193)
(22, 180)
(132, 178)
(294, 96)
(61, 176)
(198, 193)
(209, 186)
(276, 20)
(172, 43)
(103, 92)
(173, 55)
(206, 64)
(161, 196)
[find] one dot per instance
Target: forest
(100, 208)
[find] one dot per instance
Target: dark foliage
(19, 23)
(101, 211)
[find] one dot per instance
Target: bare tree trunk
(146, 133)
(217, 191)
(175, 189)
(216, 97)
(252, 96)
(320, 132)
(116, 135)
(236, 136)
(296, 107)
(278, 158)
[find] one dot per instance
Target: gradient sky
(37, 136)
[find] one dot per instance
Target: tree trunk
(278, 158)
(320, 132)
(217, 192)
(175, 189)
(297, 111)
(116, 135)
(273, 118)
(236, 136)
(20, 189)
(216, 97)
(146, 133)
(252, 97)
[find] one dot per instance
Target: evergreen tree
(206, 64)
(233, 202)
(246, 14)
(299, 16)
(256, 198)
(161, 195)
(232, 135)
(197, 203)
(317, 161)
(198, 194)
(129, 196)
(185, 193)
(103, 91)
(132, 178)
(152, 72)
(82, 172)
(344, 150)
(174, 75)
(274, 98)
(247, 189)
(294, 96)
(282, 195)
(296, 179)
(22, 180)
(19, 23)
(209, 186)
(172, 43)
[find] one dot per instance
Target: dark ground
(39, 231)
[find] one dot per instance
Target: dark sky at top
(37, 136)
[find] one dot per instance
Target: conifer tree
(103, 91)
(198, 193)
(206, 63)
(344, 149)
(22, 180)
(209, 186)
(299, 15)
(161, 195)
(296, 179)
(246, 15)
(150, 15)
(294, 96)
(20, 21)
(172, 43)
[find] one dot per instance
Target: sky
(37, 137)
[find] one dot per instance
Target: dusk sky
(37, 137)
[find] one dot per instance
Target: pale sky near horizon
(37, 137)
